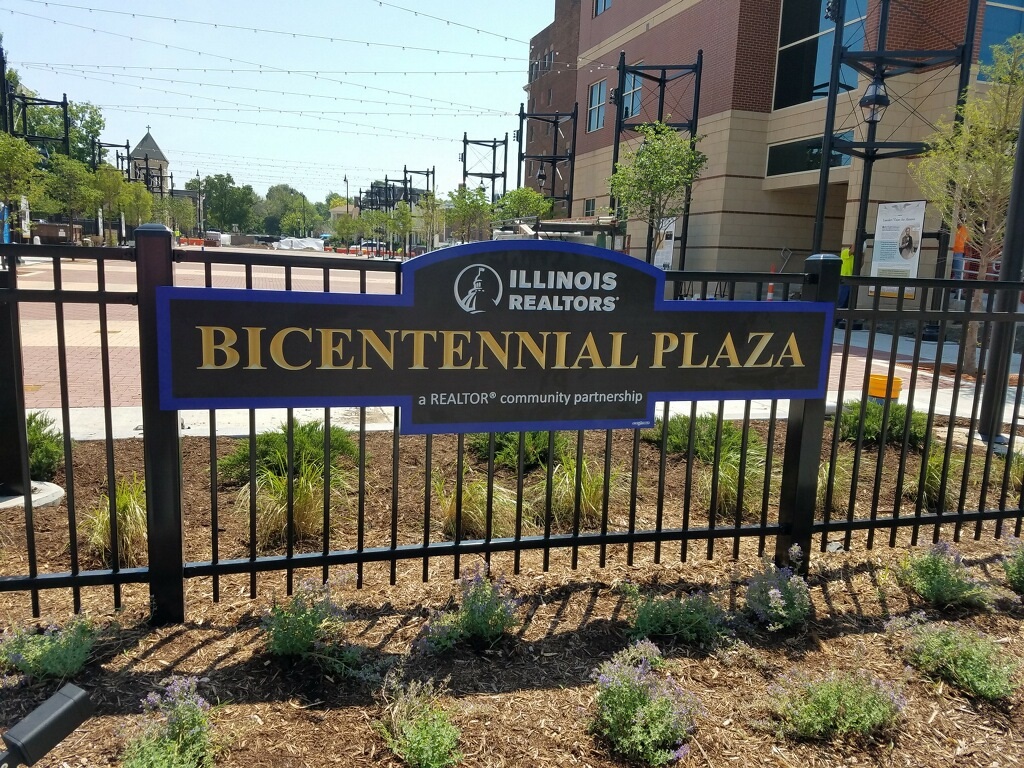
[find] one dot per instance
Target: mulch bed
(528, 700)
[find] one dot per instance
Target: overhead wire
(449, 22)
(262, 71)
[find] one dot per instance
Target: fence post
(804, 432)
(161, 448)
(12, 393)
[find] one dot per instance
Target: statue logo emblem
(477, 287)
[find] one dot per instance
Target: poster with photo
(897, 244)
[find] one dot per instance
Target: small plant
(729, 481)
(842, 480)
(506, 448)
(563, 492)
(930, 490)
(645, 716)
(130, 515)
(1016, 475)
(850, 422)
(307, 490)
(777, 598)
(272, 451)
(705, 431)
(486, 613)
(969, 660)
(311, 625)
(474, 509)
(916, 433)
(1013, 564)
(416, 727)
(940, 578)
(58, 652)
(45, 446)
(695, 620)
(841, 704)
(179, 735)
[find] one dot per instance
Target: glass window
(803, 155)
(589, 206)
(595, 106)
(600, 6)
(631, 95)
(1001, 22)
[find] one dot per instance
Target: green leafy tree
(109, 183)
(137, 204)
(86, 121)
(68, 187)
(430, 218)
(967, 171)
(521, 203)
(375, 225)
(651, 182)
(347, 228)
(182, 213)
(19, 171)
(401, 222)
(227, 204)
(469, 213)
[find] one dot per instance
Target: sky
(302, 92)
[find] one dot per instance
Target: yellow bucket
(882, 388)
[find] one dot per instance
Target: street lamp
(346, 194)
(875, 100)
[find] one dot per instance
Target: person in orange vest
(959, 247)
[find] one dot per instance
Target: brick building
(766, 66)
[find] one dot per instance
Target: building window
(803, 155)
(589, 206)
(804, 63)
(600, 6)
(1003, 19)
(632, 92)
(595, 106)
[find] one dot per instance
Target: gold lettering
(418, 343)
(454, 346)
(210, 346)
(589, 352)
(663, 343)
(792, 351)
(688, 353)
(727, 351)
(765, 338)
(255, 353)
(500, 353)
(386, 353)
(330, 349)
(617, 352)
(561, 337)
(277, 348)
(539, 353)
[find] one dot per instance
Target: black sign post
(508, 335)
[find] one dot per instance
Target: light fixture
(541, 176)
(874, 101)
(46, 726)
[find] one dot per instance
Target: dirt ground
(528, 700)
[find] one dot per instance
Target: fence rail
(773, 472)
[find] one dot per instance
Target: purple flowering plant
(646, 716)
(778, 598)
(488, 610)
(840, 704)
(941, 579)
(179, 731)
(694, 620)
(57, 652)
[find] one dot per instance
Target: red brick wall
(756, 48)
(923, 25)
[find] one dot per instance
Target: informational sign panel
(897, 243)
(507, 335)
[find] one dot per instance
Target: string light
(449, 22)
(260, 71)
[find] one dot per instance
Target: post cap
(153, 227)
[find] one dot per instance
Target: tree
(401, 223)
(109, 184)
(19, 171)
(347, 228)
(468, 213)
(227, 204)
(651, 182)
(967, 171)
(87, 124)
(431, 218)
(521, 203)
(182, 212)
(69, 187)
(375, 224)
(137, 204)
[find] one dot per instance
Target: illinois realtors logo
(477, 288)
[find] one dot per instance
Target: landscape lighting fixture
(46, 726)
(874, 101)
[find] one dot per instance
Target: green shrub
(645, 716)
(506, 448)
(694, 620)
(563, 492)
(474, 509)
(842, 482)
(45, 446)
(971, 661)
(849, 422)
(728, 467)
(778, 598)
(307, 504)
(487, 612)
(57, 652)
(917, 436)
(940, 578)
(705, 430)
(838, 705)
(179, 735)
(130, 502)
(272, 451)
(1013, 564)
(415, 726)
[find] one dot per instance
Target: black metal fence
(773, 472)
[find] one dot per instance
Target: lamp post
(872, 105)
(346, 194)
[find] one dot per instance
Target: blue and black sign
(508, 335)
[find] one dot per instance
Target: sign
(663, 256)
(897, 244)
(500, 335)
